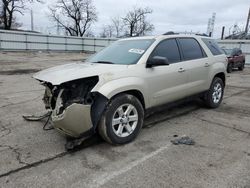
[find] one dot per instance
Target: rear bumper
(74, 121)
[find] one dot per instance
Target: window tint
(190, 49)
(169, 49)
(213, 46)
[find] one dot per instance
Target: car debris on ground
(183, 140)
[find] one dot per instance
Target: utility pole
(222, 32)
(247, 24)
(31, 20)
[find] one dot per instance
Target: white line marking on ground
(103, 179)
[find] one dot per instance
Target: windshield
(124, 52)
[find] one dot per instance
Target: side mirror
(157, 61)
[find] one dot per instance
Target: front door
(167, 83)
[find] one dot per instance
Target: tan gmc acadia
(112, 90)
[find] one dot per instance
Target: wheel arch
(222, 76)
(138, 94)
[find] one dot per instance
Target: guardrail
(20, 41)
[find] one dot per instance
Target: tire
(214, 95)
(116, 126)
(229, 67)
(241, 67)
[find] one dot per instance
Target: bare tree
(118, 26)
(107, 31)
(75, 16)
(136, 22)
(114, 29)
(1, 14)
(8, 10)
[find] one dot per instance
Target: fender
(215, 69)
(114, 87)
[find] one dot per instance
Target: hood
(64, 73)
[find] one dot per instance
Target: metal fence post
(82, 44)
(26, 41)
(65, 43)
(0, 41)
(47, 42)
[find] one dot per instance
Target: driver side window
(169, 49)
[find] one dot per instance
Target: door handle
(181, 70)
(207, 65)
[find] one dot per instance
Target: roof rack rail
(170, 33)
(185, 33)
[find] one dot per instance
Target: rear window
(190, 48)
(213, 46)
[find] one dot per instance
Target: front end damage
(75, 109)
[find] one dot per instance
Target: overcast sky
(188, 15)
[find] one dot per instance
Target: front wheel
(229, 67)
(214, 95)
(122, 120)
(241, 67)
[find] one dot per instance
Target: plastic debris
(185, 140)
(37, 117)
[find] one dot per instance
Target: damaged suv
(112, 90)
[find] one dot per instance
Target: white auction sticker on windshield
(137, 51)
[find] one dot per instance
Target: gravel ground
(31, 157)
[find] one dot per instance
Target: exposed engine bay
(60, 97)
(75, 109)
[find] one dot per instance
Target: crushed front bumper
(74, 121)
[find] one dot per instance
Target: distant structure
(239, 34)
(247, 24)
(210, 25)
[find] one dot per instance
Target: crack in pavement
(222, 125)
(238, 87)
(26, 91)
(220, 148)
(31, 165)
(238, 93)
(17, 153)
(22, 102)
(3, 129)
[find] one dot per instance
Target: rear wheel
(214, 95)
(229, 67)
(122, 120)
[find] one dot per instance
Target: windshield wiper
(104, 62)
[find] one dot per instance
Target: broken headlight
(77, 91)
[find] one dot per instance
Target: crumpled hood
(64, 73)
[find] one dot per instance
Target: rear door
(198, 65)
